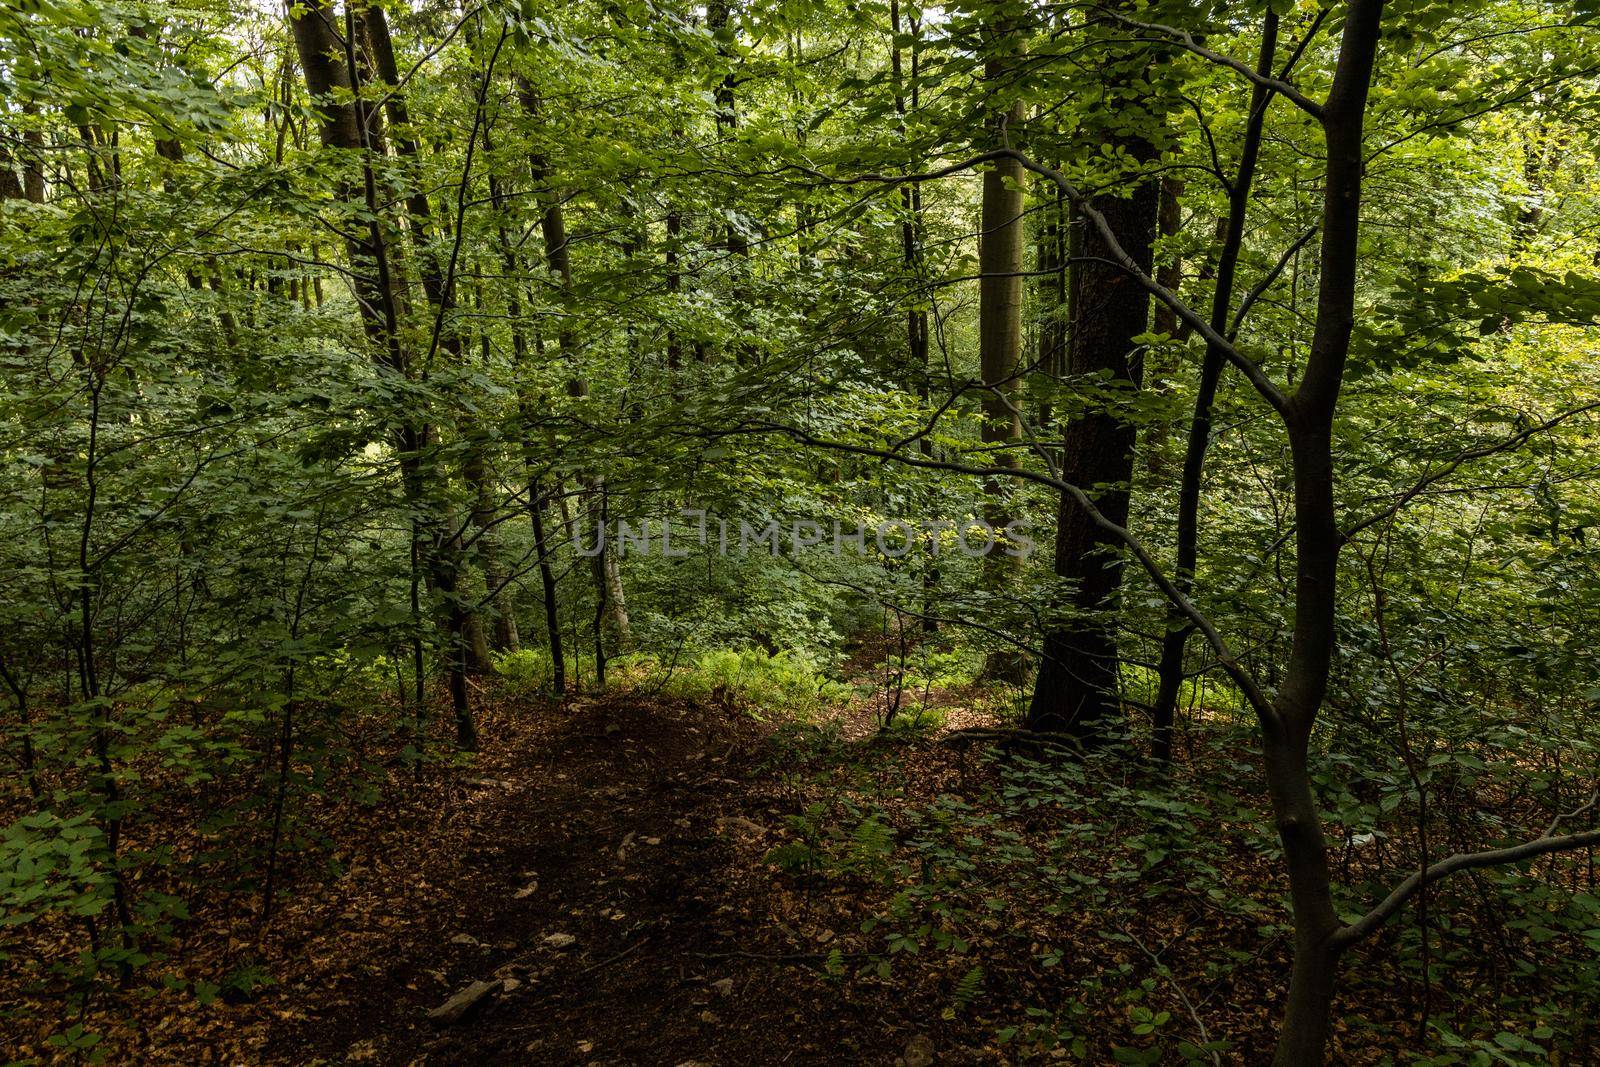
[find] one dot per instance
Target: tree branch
(1189, 44)
(1450, 468)
(1465, 861)
(1258, 377)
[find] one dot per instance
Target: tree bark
(325, 58)
(1000, 288)
(1076, 688)
(1176, 637)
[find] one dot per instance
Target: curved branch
(1186, 40)
(1272, 276)
(1455, 464)
(1462, 861)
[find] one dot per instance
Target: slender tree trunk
(1169, 274)
(911, 205)
(907, 100)
(503, 636)
(475, 470)
(674, 287)
(1308, 416)
(537, 503)
(440, 290)
(718, 15)
(1175, 639)
(1050, 254)
(1169, 270)
(1000, 288)
(547, 582)
(607, 572)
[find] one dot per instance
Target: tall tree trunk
(440, 290)
(502, 637)
(1000, 289)
(1076, 691)
(326, 59)
(537, 503)
(1050, 252)
(607, 572)
(547, 580)
(718, 18)
(674, 287)
(1169, 271)
(1308, 416)
(906, 102)
(1176, 637)
(31, 186)
(1166, 321)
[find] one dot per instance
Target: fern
(871, 842)
(968, 988)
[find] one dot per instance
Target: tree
(331, 335)
(1076, 690)
(328, 60)
(1001, 239)
(1170, 669)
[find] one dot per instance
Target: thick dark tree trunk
(1076, 689)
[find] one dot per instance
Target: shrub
(788, 682)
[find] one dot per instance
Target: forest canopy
(1096, 497)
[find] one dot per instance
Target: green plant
(787, 682)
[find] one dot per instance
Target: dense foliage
(354, 355)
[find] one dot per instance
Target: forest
(799, 531)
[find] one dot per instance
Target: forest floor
(608, 871)
(604, 871)
(604, 863)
